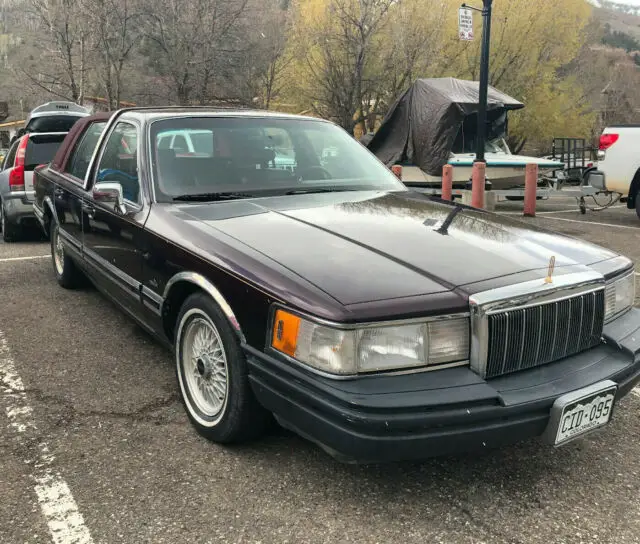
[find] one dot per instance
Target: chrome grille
(528, 337)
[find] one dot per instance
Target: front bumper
(18, 206)
(414, 416)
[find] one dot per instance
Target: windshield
(259, 157)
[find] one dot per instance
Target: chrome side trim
(38, 213)
(152, 300)
(128, 284)
(519, 296)
(47, 202)
(66, 237)
(208, 287)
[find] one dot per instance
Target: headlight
(619, 296)
(371, 349)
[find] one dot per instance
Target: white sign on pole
(465, 24)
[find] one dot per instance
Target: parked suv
(58, 116)
(16, 179)
(619, 163)
(35, 144)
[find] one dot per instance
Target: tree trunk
(82, 69)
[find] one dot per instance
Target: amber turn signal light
(285, 332)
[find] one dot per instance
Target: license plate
(581, 412)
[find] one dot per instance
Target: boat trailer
(580, 179)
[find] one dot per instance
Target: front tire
(212, 375)
(638, 204)
(66, 271)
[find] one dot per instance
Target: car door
(69, 188)
(111, 243)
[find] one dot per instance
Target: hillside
(618, 6)
(619, 21)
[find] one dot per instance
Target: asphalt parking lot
(92, 433)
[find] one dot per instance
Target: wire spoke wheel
(58, 251)
(204, 366)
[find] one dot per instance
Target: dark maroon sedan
(294, 275)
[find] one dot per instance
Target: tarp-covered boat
(435, 123)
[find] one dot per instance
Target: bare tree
(342, 57)
(415, 45)
(114, 35)
(62, 36)
(266, 54)
(190, 40)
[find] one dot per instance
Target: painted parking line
(29, 258)
(65, 522)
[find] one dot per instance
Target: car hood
(365, 246)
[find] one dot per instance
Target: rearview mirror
(110, 194)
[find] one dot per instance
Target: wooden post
(530, 189)
(447, 182)
(397, 170)
(477, 184)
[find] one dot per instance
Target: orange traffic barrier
(477, 184)
(530, 189)
(397, 170)
(447, 182)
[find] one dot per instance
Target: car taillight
(607, 140)
(16, 174)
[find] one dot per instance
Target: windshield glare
(260, 157)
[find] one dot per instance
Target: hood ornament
(552, 265)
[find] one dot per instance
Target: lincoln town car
(375, 321)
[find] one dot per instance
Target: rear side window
(41, 150)
(11, 156)
(81, 156)
(52, 123)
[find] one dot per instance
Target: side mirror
(110, 194)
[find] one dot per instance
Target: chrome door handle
(58, 192)
(89, 210)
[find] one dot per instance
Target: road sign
(465, 24)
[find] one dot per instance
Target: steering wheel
(316, 168)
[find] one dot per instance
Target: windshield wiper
(211, 197)
(317, 190)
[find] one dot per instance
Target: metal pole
(484, 79)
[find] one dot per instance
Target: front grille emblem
(552, 265)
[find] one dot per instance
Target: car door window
(119, 161)
(81, 155)
(11, 156)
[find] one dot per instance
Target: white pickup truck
(619, 162)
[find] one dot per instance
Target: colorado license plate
(580, 412)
